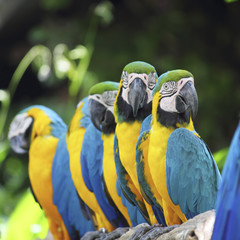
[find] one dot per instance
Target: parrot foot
(117, 233)
(92, 235)
(151, 232)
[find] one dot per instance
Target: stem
(17, 75)
(83, 65)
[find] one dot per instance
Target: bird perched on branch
(94, 155)
(175, 168)
(227, 204)
(74, 139)
(132, 105)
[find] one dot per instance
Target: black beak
(137, 95)
(187, 100)
(101, 117)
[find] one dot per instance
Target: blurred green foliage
(220, 157)
(25, 224)
(73, 49)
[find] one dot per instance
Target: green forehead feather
(139, 67)
(174, 75)
(102, 87)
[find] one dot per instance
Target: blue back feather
(65, 196)
(228, 199)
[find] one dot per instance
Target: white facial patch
(168, 104)
(148, 79)
(169, 92)
(107, 99)
(19, 125)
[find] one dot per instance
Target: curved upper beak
(19, 143)
(19, 133)
(101, 117)
(187, 99)
(137, 95)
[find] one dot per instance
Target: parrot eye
(168, 88)
(151, 80)
(125, 79)
(98, 97)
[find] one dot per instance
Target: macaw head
(175, 99)
(134, 100)
(100, 103)
(32, 122)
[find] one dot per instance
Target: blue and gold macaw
(133, 104)
(97, 158)
(37, 130)
(101, 101)
(175, 168)
(227, 219)
(74, 138)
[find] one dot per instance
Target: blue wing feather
(227, 204)
(133, 212)
(193, 178)
(92, 151)
(65, 196)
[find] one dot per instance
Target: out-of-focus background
(53, 51)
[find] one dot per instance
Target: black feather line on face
(109, 125)
(125, 110)
(169, 119)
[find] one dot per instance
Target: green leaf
(27, 220)
(220, 158)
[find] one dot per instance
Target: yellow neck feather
(41, 126)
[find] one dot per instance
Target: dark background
(202, 37)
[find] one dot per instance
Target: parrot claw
(155, 231)
(117, 233)
(92, 235)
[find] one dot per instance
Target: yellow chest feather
(127, 135)
(110, 174)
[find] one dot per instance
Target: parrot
(176, 169)
(101, 100)
(227, 219)
(74, 139)
(36, 130)
(132, 105)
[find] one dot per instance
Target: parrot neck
(41, 125)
